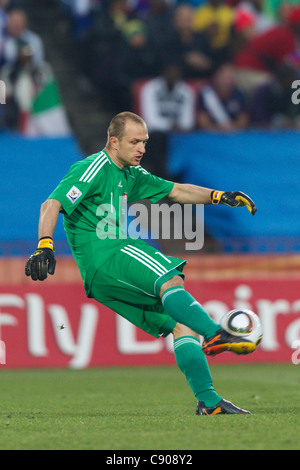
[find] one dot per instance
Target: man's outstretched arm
(192, 194)
(43, 262)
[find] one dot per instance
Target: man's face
(16, 24)
(184, 18)
(131, 148)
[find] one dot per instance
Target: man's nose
(142, 148)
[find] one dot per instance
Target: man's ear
(114, 142)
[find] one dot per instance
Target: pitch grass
(147, 409)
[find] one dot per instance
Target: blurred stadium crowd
(30, 84)
(183, 65)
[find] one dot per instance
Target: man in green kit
(128, 275)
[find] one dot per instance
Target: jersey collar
(112, 162)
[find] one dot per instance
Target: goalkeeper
(128, 275)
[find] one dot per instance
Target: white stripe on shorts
(149, 257)
(139, 258)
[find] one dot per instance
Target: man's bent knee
(173, 282)
(182, 330)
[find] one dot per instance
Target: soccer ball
(243, 323)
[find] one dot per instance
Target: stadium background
(245, 262)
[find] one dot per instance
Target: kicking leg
(183, 308)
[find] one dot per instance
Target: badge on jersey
(74, 194)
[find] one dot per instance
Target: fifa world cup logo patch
(74, 194)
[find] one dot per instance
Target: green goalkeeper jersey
(94, 196)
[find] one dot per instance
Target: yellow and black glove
(42, 261)
(233, 199)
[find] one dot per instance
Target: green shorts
(129, 284)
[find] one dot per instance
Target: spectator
(189, 49)
(17, 32)
(271, 106)
(168, 103)
(80, 13)
(262, 22)
(245, 27)
(216, 19)
(99, 47)
(265, 52)
(137, 59)
(222, 106)
(22, 79)
(158, 19)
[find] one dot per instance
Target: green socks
(192, 362)
(183, 308)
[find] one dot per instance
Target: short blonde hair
(118, 123)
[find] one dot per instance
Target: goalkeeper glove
(42, 261)
(233, 199)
